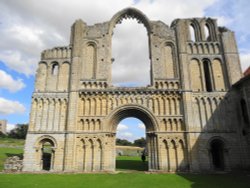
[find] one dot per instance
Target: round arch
(129, 13)
(46, 138)
(217, 147)
(136, 111)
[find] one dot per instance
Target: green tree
(123, 142)
(19, 132)
(140, 142)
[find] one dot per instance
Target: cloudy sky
(27, 27)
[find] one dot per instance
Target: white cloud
(10, 107)
(122, 127)
(126, 135)
(15, 61)
(10, 127)
(245, 61)
(7, 82)
(141, 126)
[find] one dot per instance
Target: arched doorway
(46, 152)
(131, 150)
(217, 148)
(150, 123)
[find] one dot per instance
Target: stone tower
(186, 109)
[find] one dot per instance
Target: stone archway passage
(46, 153)
(217, 153)
(151, 127)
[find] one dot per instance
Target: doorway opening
(47, 155)
(131, 150)
(217, 153)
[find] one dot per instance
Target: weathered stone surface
(13, 164)
(192, 116)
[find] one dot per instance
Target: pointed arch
(130, 13)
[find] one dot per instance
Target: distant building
(3, 124)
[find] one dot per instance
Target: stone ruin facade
(193, 116)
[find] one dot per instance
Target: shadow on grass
(231, 180)
(20, 155)
(131, 164)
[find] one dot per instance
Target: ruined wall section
(163, 54)
(206, 78)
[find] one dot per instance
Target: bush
(19, 132)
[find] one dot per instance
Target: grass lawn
(125, 180)
(12, 142)
(131, 163)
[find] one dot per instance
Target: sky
(27, 27)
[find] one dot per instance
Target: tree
(140, 142)
(123, 142)
(19, 132)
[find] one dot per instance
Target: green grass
(11, 142)
(131, 163)
(124, 180)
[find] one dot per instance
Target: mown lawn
(131, 163)
(12, 142)
(125, 180)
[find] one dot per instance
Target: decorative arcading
(89, 84)
(89, 154)
(208, 111)
(89, 124)
(102, 105)
(48, 114)
(203, 48)
(172, 124)
(166, 84)
(57, 53)
(173, 154)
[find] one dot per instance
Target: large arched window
(55, 68)
(207, 33)
(208, 75)
(192, 33)
(131, 63)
